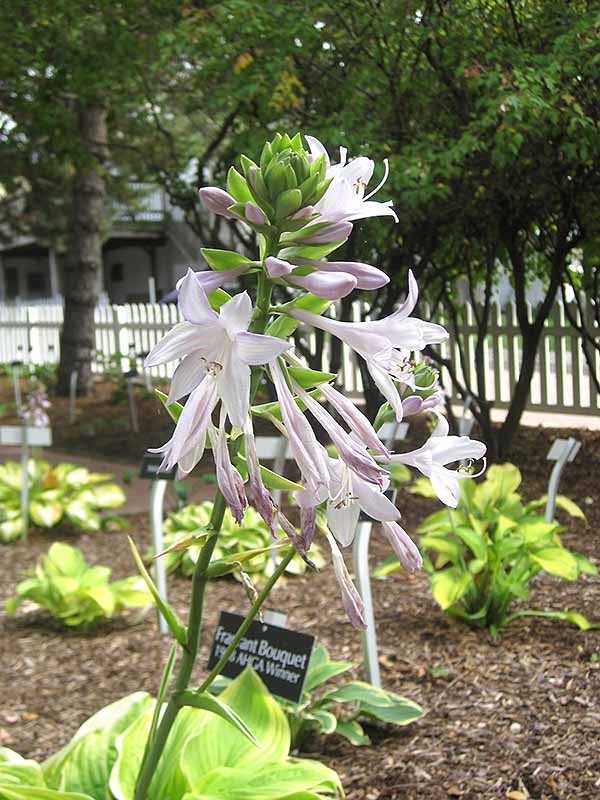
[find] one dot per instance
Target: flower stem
(154, 749)
(281, 567)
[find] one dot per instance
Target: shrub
(65, 492)
(252, 534)
(74, 593)
(206, 756)
(482, 555)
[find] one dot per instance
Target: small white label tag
(36, 437)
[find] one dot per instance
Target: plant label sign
(149, 469)
(19, 434)
(278, 655)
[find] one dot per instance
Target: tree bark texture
(84, 261)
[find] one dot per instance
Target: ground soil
(518, 718)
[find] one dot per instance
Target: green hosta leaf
(62, 559)
(108, 495)
(87, 760)
(557, 561)
(536, 531)
(422, 487)
(327, 721)
(440, 544)
(220, 260)
(45, 514)
(566, 616)
(213, 705)
(11, 529)
(353, 732)
(267, 410)
(561, 502)
(309, 251)
(308, 378)
(83, 516)
(448, 586)
(400, 475)
(271, 781)
(321, 669)
(474, 541)
(21, 773)
(585, 565)
(387, 567)
(38, 793)
(399, 710)
(222, 746)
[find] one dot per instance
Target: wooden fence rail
(561, 381)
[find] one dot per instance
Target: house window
(11, 282)
(37, 283)
(116, 273)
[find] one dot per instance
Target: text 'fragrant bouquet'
(302, 208)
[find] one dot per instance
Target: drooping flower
(229, 479)
(349, 495)
(441, 449)
(216, 351)
(381, 342)
(345, 197)
(352, 601)
(304, 447)
(403, 546)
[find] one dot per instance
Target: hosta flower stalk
(302, 208)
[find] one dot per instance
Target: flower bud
(217, 201)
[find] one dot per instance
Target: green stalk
(247, 621)
(154, 749)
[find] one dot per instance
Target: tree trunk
(84, 264)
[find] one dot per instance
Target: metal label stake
(74, 377)
(16, 368)
(562, 452)
(149, 470)
(389, 433)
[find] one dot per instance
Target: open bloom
(345, 198)
(381, 341)
(216, 351)
(441, 449)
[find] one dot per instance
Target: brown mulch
(518, 718)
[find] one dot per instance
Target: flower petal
(235, 314)
(193, 302)
(182, 339)
(403, 546)
(210, 279)
(257, 348)
(234, 389)
(367, 277)
(277, 267)
(445, 484)
(187, 376)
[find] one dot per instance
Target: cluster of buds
(302, 208)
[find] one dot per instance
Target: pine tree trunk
(84, 263)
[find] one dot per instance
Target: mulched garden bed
(513, 719)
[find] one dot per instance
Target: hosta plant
(63, 493)
(482, 555)
(340, 709)
(74, 593)
(235, 747)
(250, 535)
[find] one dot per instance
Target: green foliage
(234, 540)
(482, 556)
(342, 708)
(207, 755)
(74, 593)
(64, 493)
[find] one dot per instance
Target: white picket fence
(561, 381)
